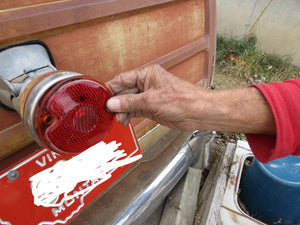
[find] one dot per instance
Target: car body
(101, 39)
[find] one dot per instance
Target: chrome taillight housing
(63, 111)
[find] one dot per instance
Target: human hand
(154, 93)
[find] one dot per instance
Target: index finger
(127, 81)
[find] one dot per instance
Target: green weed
(243, 60)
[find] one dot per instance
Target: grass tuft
(243, 60)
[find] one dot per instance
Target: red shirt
(284, 100)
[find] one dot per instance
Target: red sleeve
(284, 101)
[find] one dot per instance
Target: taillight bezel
(34, 92)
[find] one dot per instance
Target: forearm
(239, 110)
(154, 93)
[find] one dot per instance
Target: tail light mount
(20, 64)
(63, 111)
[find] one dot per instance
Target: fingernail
(114, 104)
(118, 117)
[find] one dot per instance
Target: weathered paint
(103, 38)
(231, 212)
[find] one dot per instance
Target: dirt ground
(221, 81)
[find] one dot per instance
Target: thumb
(129, 103)
(114, 104)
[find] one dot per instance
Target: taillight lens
(71, 115)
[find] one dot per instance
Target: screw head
(13, 175)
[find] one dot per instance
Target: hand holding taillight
(155, 93)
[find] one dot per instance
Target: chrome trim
(36, 94)
(202, 157)
(148, 132)
(18, 66)
(153, 195)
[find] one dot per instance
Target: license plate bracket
(17, 202)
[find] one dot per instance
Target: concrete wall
(276, 23)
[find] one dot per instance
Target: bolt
(13, 175)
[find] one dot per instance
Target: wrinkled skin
(154, 93)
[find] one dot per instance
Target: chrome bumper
(133, 199)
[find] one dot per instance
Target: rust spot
(234, 217)
(173, 203)
(232, 180)
(176, 206)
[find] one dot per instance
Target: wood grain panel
(8, 118)
(191, 68)
(103, 38)
(106, 49)
(19, 22)
(14, 138)
(11, 4)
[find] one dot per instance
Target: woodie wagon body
(101, 39)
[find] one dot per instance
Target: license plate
(19, 184)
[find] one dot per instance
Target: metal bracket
(201, 140)
(18, 66)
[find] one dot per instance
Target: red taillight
(70, 116)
